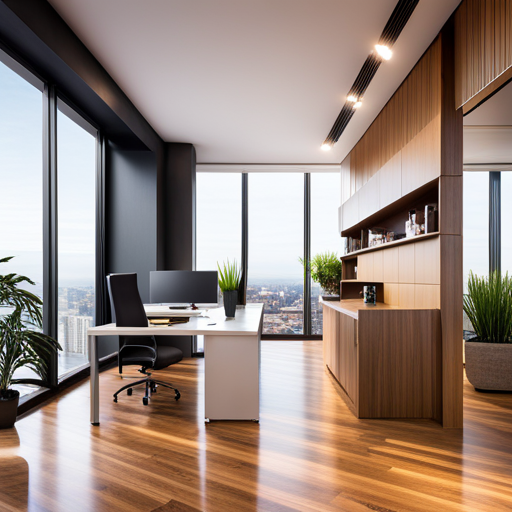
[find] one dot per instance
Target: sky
(276, 221)
(21, 185)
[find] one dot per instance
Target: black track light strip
(394, 26)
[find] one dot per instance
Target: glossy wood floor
(308, 452)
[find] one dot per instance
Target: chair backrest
(125, 300)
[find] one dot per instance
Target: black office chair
(138, 350)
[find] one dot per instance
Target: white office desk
(231, 354)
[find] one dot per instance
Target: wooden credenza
(386, 360)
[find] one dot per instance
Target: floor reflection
(13, 473)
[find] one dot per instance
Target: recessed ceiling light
(358, 104)
(352, 98)
(384, 51)
(326, 147)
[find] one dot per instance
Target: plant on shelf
(229, 281)
(22, 344)
(488, 306)
(326, 271)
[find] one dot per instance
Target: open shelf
(403, 241)
(396, 212)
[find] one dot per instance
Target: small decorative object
(370, 295)
(229, 280)
(431, 218)
(364, 238)
(376, 236)
(326, 271)
(390, 236)
(488, 305)
(21, 341)
(410, 225)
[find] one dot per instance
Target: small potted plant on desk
(229, 280)
(488, 305)
(326, 271)
(21, 341)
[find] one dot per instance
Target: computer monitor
(183, 287)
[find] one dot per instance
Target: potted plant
(326, 271)
(229, 280)
(488, 305)
(21, 341)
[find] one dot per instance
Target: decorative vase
(9, 408)
(489, 365)
(230, 301)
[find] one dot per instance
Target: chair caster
(177, 395)
(129, 391)
(115, 399)
(145, 400)
(153, 388)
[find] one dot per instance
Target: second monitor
(183, 287)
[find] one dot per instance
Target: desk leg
(95, 380)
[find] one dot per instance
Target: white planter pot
(489, 365)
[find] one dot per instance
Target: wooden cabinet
(386, 360)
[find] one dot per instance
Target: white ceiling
(488, 132)
(257, 81)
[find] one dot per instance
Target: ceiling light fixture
(326, 147)
(394, 26)
(384, 51)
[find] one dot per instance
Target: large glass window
(76, 170)
(218, 219)
(325, 237)
(506, 222)
(21, 183)
(276, 242)
(476, 224)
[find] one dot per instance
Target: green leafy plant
(21, 341)
(326, 271)
(229, 276)
(488, 305)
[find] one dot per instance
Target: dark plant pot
(489, 365)
(230, 300)
(9, 408)
(331, 297)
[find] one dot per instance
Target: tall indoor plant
(488, 305)
(326, 271)
(21, 341)
(229, 280)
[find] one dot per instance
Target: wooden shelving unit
(395, 243)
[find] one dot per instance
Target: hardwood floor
(308, 453)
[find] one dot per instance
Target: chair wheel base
(177, 395)
(145, 400)
(129, 391)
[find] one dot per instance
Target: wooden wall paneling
(406, 263)
(350, 211)
(426, 262)
(347, 342)
(427, 296)
(406, 295)
(369, 197)
(378, 266)
(391, 294)
(365, 267)
(396, 364)
(421, 157)
(483, 46)
(390, 184)
(450, 205)
(451, 329)
(390, 265)
(345, 180)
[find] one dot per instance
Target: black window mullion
(494, 221)
(101, 291)
(307, 255)
(245, 237)
(50, 265)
